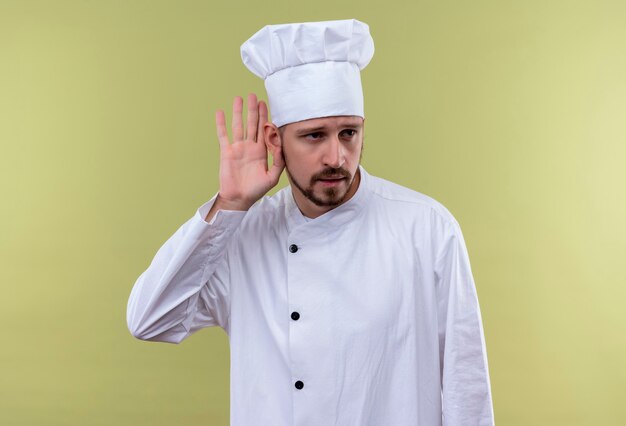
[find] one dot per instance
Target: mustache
(331, 172)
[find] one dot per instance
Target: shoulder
(406, 201)
(269, 210)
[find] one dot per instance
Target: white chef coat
(388, 328)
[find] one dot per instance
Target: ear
(272, 139)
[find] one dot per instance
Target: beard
(331, 197)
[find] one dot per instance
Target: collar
(332, 218)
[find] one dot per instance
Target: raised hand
(244, 173)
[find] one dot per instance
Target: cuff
(222, 218)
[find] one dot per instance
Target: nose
(334, 155)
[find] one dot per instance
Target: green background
(512, 114)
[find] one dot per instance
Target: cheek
(354, 152)
(301, 162)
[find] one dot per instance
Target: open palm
(244, 173)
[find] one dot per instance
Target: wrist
(222, 203)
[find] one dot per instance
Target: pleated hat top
(311, 69)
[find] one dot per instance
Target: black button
(295, 316)
(293, 248)
(299, 385)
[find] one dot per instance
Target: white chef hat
(311, 69)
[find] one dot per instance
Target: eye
(352, 132)
(314, 136)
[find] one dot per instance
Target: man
(347, 299)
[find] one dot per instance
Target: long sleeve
(466, 389)
(186, 286)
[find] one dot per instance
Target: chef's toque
(311, 69)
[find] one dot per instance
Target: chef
(347, 299)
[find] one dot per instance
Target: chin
(333, 200)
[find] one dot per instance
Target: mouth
(332, 181)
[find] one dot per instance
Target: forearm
(466, 384)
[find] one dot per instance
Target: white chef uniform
(365, 315)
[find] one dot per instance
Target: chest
(349, 280)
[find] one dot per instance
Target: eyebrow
(308, 130)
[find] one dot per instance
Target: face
(322, 157)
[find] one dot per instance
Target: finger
(253, 118)
(260, 135)
(222, 134)
(237, 120)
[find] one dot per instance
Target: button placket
(296, 263)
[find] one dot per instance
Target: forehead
(326, 122)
